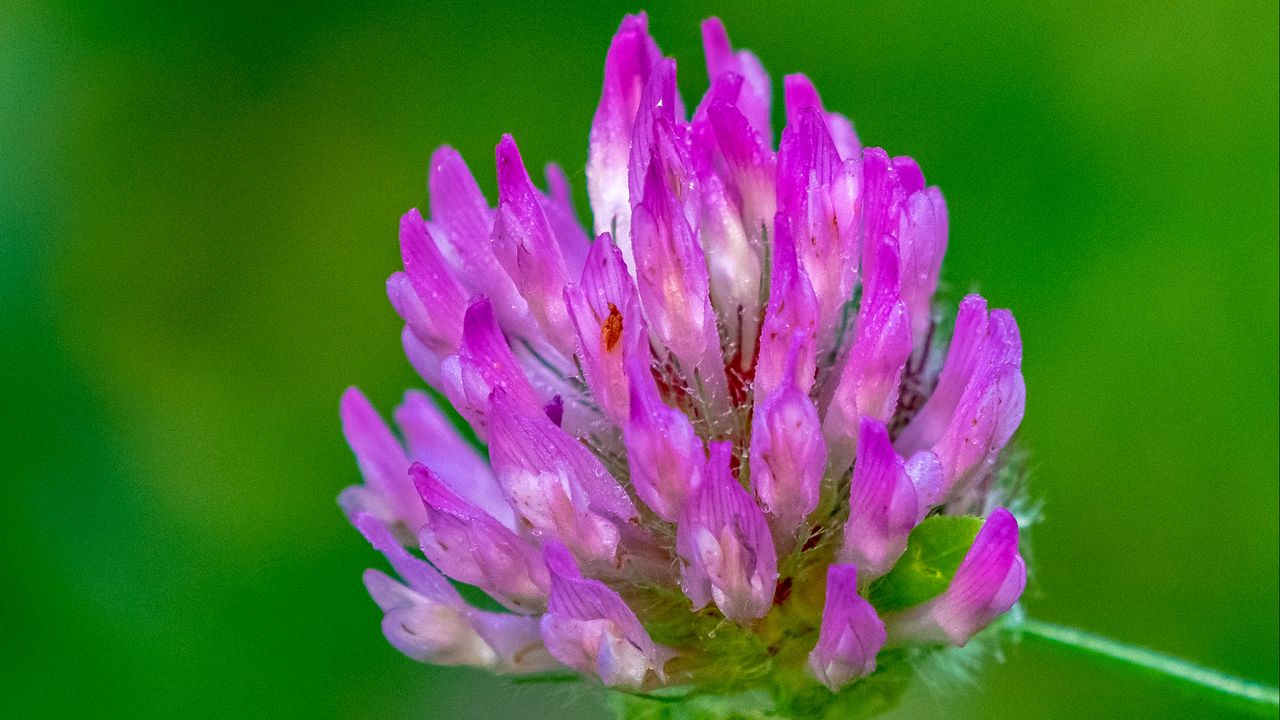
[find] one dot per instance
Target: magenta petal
(421, 577)
(483, 363)
(632, 55)
(963, 357)
(732, 228)
(788, 457)
(844, 136)
(820, 201)
(460, 209)
(869, 380)
(516, 641)
(589, 627)
(433, 441)
(470, 546)
(979, 399)
(415, 336)
(563, 219)
(807, 161)
(429, 621)
(926, 473)
(749, 163)
(424, 629)
(404, 299)
(605, 311)
(605, 279)
(900, 210)
(989, 411)
(922, 243)
(909, 174)
(671, 272)
(524, 243)
(882, 203)
(423, 359)
(801, 95)
(883, 504)
(725, 87)
(851, 633)
(724, 543)
(534, 443)
(792, 313)
(655, 139)
(555, 484)
(988, 582)
(664, 453)
(733, 270)
(388, 492)
(443, 299)
(463, 217)
(756, 99)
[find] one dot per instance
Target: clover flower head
(726, 453)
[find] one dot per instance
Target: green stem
(1166, 665)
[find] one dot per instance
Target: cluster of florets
(724, 450)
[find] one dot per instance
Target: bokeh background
(198, 208)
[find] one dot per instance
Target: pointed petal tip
(799, 94)
(352, 400)
(510, 164)
(413, 216)
(376, 532)
(973, 302)
(715, 42)
(635, 22)
(429, 487)
(444, 154)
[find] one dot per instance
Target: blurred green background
(198, 208)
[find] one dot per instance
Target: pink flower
(724, 407)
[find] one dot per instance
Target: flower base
(866, 698)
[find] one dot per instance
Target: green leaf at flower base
(934, 551)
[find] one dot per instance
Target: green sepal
(934, 551)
